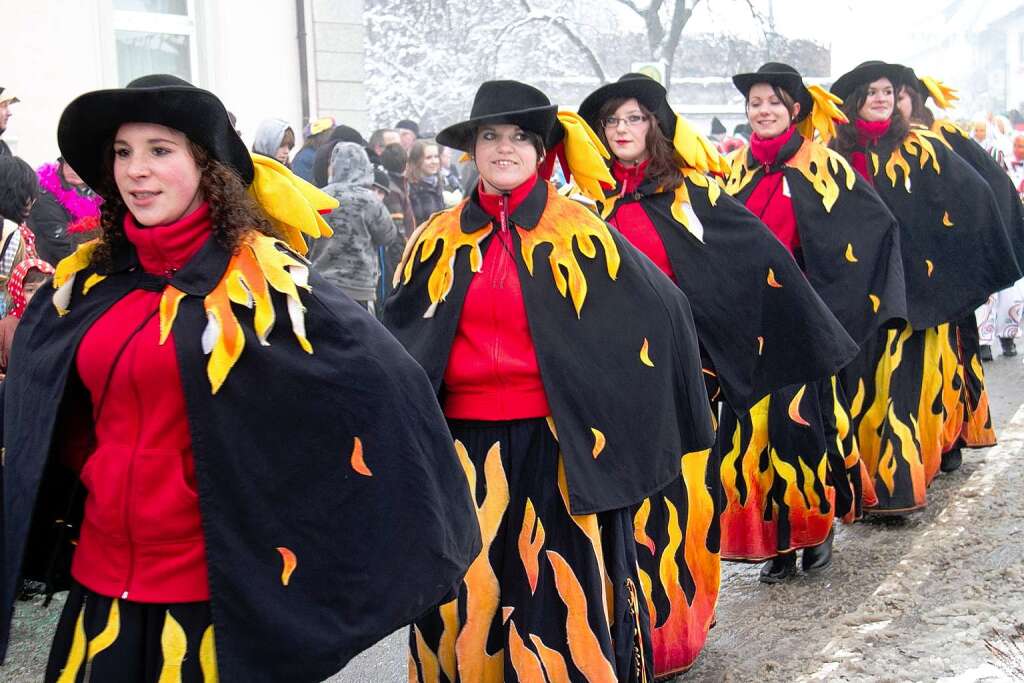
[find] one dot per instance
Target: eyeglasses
(633, 120)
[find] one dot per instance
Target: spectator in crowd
(391, 255)
(274, 139)
(27, 277)
(321, 163)
(423, 171)
(349, 258)
(19, 189)
(6, 100)
(408, 132)
(64, 199)
(451, 183)
(315, 135)
(395, 160)
(381, 138)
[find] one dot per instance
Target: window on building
(155, 36)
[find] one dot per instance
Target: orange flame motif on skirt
(526, 664)
(482, 588)
(290, 562)
(531, 540)
(678, 636)
(358, 463)
(584, 647)
(978, 431)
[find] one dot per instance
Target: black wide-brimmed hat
(644, 89)
(867, 72)
(90, 122)
(782, 76)
(506, 102)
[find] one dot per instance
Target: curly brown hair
(846, 140)
(665, 162)
(233, 212)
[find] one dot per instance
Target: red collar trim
(766, 150)
(165, 249)
(491, 203)
(871, 131)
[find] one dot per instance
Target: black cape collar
(198, 277)
(791, 147)
(526, 215)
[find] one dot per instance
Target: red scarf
(766, 150)
(165, 249)
(868, 133)
(629, 177)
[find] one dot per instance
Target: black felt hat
(644, 89)
(867, 72)
(506, 102)
(782, 76)
(90, 122)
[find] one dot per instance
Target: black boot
(985, 352)
(1009, 348)
(779, 568)
(951, 460)
(818, 556)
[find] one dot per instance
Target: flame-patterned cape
(955, 248)
(334, 507)
(1007, 198)
(760, 323)
(849, 240)
(614, 339)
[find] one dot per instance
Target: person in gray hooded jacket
(361, 223)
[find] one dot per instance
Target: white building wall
(54, 50)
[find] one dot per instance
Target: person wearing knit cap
(202, 434)
(955, 254)
(847, 244)
(1000, 315)
(566, 419)
(409, 132)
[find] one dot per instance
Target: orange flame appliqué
(584, 647)
(358, 463)
(290, 562)
(531, 540)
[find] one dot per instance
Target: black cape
(849, 240)
(275, 469)
(1010, 207)
(759, 337)
(591, 360)
(955, 248)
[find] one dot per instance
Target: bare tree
(665, 22)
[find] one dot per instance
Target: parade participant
(847, 243)
(292, 483)
(972, 336)
(26, 279)
(729, 266)
(64, 199)
(275, 139)
(955, 253)
(565, 416)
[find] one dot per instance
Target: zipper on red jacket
(498, 278)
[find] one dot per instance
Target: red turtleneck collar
(165, 249)
(629, 177)
(491, 203)
(766, 150)
(871, 131)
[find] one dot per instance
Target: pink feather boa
(78, 206)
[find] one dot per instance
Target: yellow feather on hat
(586, 155)
(943, 95)
(293, 205)
(696, 151)
(825, 114)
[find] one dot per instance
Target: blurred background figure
(408, 131)
(424, 174)
(361, 224)
(451, 183)
(379, 139)
(6, 100)
(26, 278)
(19, 189)
(322, 160)
(64, 199)
(275, 139)
(314, 136)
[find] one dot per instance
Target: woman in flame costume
(971, 426)
(955, 253)
(565, 415)
(257, 501)
(760, 325)
(847, 244)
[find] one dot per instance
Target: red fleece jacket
(141, 537)
(492, 371)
